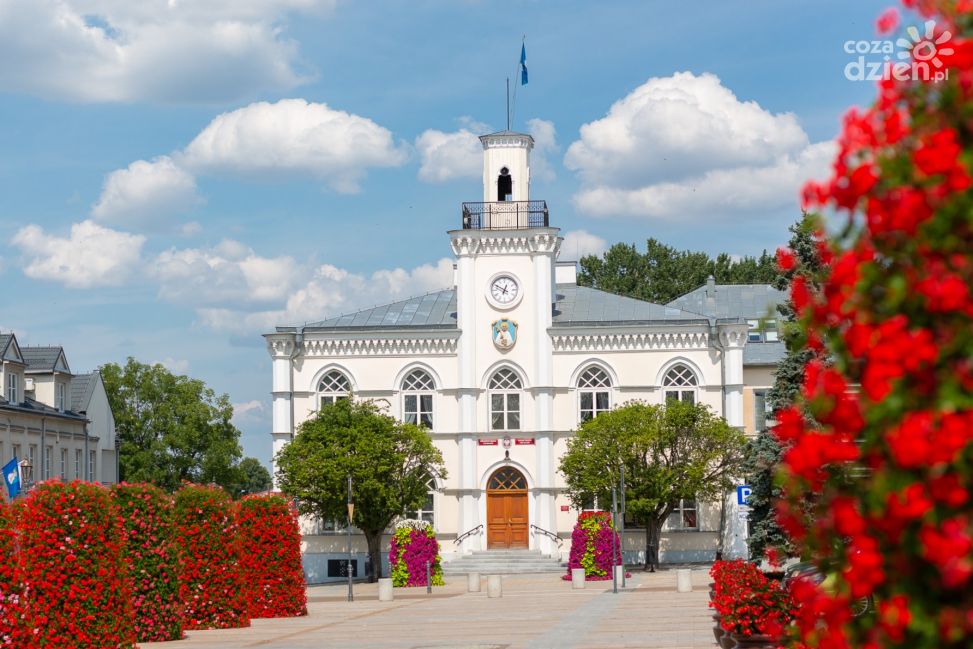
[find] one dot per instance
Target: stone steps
(504, 562)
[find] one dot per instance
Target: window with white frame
(753, 332)
(505, 388)
(92, 465)
(47, 462)
(771, 334)
(16, 453)
(32, 455)
(759, 410)
(680, 384)
(594, 393)
(13, 383)
(64, 463)
(77, 464)
(418, 388)
(762, 331)
(332, 387)
(684, 515)
(59, 397)
(426, 511)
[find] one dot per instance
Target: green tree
(764, 452)
(662, 273)
(254, 478)
(390, 464)
(670, 451)
(172, 428)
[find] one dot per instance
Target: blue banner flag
(523, 64)
(11, 477)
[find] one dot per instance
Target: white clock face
(504, 289)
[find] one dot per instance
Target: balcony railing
(505, 215)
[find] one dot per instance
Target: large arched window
(594, 393)
(505, 387)
(417, 391)
(680, 384)
(333, 386)
(426, 511)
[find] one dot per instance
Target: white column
(465, 316)
(281, 348)
(546, 249)
(733, 339)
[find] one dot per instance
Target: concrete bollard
(619, 575)
(385, 589)
(684, 580)
(494, 586)
(577, 578)
(473, 582)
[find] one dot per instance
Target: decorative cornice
(504, 242)
(282, 345)
(427, 346)
(733, 336)
(618, 342)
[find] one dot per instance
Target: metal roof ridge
(373, 307)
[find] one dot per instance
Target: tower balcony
(505, 215)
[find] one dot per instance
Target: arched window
(427, 511)
(594, 391)
(417, 389)
(680, 384)
(507, 478)
(333, 386)
(505, 387)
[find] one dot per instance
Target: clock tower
(505, 291)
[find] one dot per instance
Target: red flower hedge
(878, 488)
(152, 555)
(11, 595)
(270, 537)
(749, 603)
(211, 584)
(73, 568)
(591, 546)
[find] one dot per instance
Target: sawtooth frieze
(379, 347)
(584, 342)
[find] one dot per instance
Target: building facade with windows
(502, 367)
(59, 422)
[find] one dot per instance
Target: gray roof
(29, 405)
(4, 341)
(763, 353)
(82, 387)
(435, 310)
(580, 305)
(41, 359)
(749, 301)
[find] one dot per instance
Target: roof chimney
(710, 286)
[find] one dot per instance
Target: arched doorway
(507, 510)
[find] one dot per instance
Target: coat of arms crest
(504, 333)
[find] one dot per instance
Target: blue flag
(11, 477)
(523, 64)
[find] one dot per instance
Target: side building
(502, 367)
(58, 422)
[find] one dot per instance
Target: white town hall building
(504, 365)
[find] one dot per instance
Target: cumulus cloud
(146, 194)
(176, 366)
(249, 411)
(545, 146)
(579, 243)
(155, 50)
(229, 273)
(331, 291)
(92, 255)
(293, 136)
(686, 147)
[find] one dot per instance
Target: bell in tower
(505, 190)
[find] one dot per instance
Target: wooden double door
(507, 513)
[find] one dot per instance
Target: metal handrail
(468, 533)
(505, 215)
(548, 534)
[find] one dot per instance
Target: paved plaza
(535, 612)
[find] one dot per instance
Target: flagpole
(508, 103)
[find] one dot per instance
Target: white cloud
(176, 366)
(448, 156)
(686, 147)
(332, 291)
(254, 410)
(91, 256)
(545, 145)
(229, 274)
(146, 194)
(579, 243)
(293, 136)
(156, 50)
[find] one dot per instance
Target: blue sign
(743, 494)
(11, 478)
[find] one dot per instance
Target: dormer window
(505, 185)
(13, 384)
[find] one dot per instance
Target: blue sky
(175, 177)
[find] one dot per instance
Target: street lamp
(351, 513)
(118, 452)
(27, 474)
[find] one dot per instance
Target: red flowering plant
(152, 554)
(12, 609)
(889, 465)
(749, 603)
(273, 575)
(74, 574)
(413, 544)
(211, 583)
(591, 546)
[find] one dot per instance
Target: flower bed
(271, 559)
(151, 552)
(591, 546)
(73, 568)
(413, 544)
(211, 585)
(11, 603)
(748, 602)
